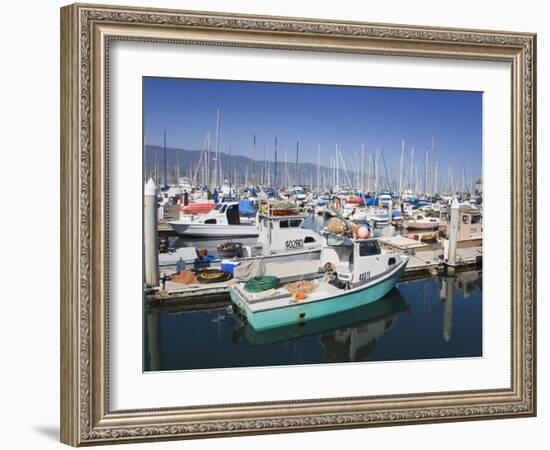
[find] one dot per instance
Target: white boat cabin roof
(281, 217)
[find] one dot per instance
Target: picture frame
(87, 31)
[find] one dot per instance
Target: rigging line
(385, 169)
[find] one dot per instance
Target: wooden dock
(425, 261)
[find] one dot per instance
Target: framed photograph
(276, 224)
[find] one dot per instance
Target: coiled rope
(262, 283)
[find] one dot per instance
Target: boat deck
(276, 298)
(286, 272)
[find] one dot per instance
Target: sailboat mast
(165, 179)
(435, 178)
(296, 181)
(254, 180)
(401, 166)
(275, 169)
(265, 160)
(411, 174)
(217, 167)
(286, 180)
(230, 172)
(318, 166)
(337, 170)
(433, 163)
(426, 175)
(376, 170)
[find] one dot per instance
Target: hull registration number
(294, 243)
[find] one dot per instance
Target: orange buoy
(363, 232)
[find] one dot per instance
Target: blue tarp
(371, 201)
(246, 207)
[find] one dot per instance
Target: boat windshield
(220, 207)
(335, 240)
(368, 248)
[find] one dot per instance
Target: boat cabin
(470, 225)
(284, 233)
(223, 213)
(355, 261)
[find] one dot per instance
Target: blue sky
(318, 114)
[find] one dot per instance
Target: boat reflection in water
(438, 317)
(346, 336)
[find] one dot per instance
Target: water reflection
(376, 316)
(430, 318)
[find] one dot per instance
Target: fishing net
(184, 277)
(301, 289)
(262, 283)
(336, 226)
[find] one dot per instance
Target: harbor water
(437, 317)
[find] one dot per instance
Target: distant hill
(187, 160)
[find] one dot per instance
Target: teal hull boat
(382, 311)
(280, 309)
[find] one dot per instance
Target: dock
(171, 212)
(425, 261)
(206, 294)
(458, 252)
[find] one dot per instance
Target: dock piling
(453, 235)
(150, 235)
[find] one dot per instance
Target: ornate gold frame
(86, 31)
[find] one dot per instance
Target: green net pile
(262, 283)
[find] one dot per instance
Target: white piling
(390, 211)
(150, 234)
(453, 235)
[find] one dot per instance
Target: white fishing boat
(356, 273)
(299, 193)
(357, 214)
(378, 217)
(223, 221)
(282, 233)
(384, 200)
(282, 237)
(422, 222)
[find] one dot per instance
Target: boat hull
(301, 312)
(421, 226)
(214, 230)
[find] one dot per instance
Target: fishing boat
(374, 318)
(421, 222)
(282, 237)
(356, 214)
(384, 199)
(282, 233)
(353, 272)
(298, 193)
(378, 217)
(197, 208)
(223, 221)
